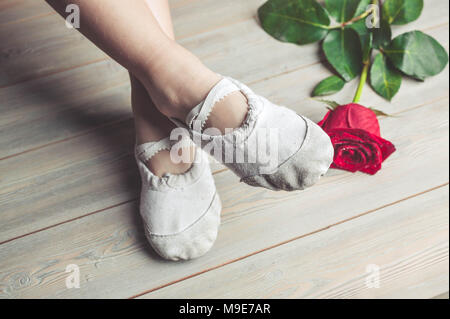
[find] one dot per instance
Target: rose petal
(351, 116)
(350, 158)
(359, 150)
(360, 117)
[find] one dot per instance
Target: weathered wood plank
(104, 98)
(408, 241)
(47, 96)
(54, 108)
(28, 181)
(44, 46)
(63, 94)
(48, 109)
(260, 56)
(41, 47)
(442, 296)
(96, 171)
(113, 258)
(51, 47)
(16, 11)
(186, 13)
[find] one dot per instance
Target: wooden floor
(69, 184)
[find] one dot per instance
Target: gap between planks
(129, 118)
(214, 173)
(289, 241)
(86, 215)
(259, 250)
(77, 134)
(187, 36)
(53, 12)
(30, 78)
(392, 198)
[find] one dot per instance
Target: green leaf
(332, 105)
(329, 86)
(359, 26)
(417, 55)
(382, 36)
(362, 7)
(343, 50)
(296, 21)
(367, 44)
(402, 11)
(364, 33)
(342, 10)
(385, 79)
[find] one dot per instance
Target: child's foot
(300, 152)
(273, 148)
(161, 164)
(181, 212)
(177, 80)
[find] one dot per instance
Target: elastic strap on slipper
(201, 112)
(147, 150)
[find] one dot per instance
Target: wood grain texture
(17, 11)
(76, 185)
(36, 103)
(44, 46)
(70, 103)
(408, 241)
(62, 106)
(106, 243)
(29, 182)
(442, 296)
(186, 13)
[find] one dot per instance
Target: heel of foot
(224, 107)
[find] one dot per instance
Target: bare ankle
(177, 81)
(229, 113)
(162, 164)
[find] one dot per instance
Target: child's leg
(150, 124)
(177, 82)
(175, 79)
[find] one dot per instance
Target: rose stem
(355, 19)
(362, 81)
(364, 73)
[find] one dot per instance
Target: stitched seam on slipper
(252, 113)
(212, 108)
(163, 181)
(305, 141)
(145, 149)
(191, 225)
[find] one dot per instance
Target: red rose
(355, 133)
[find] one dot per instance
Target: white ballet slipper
(181, 213)
(282, 150)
